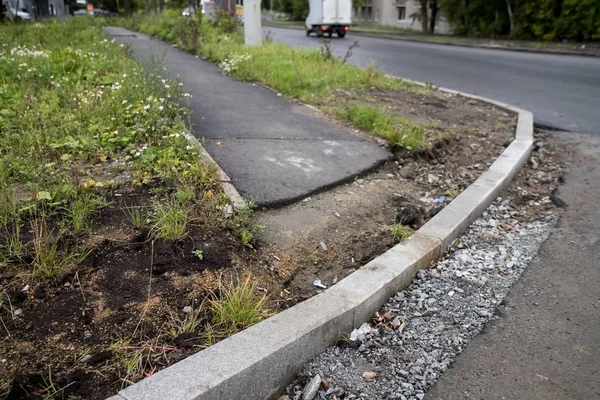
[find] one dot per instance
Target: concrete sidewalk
(275, 152)
(545, 345)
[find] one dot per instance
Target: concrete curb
(260, 361)
(236, 199)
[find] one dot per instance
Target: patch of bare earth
(327, 236)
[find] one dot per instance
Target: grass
(398, 130)
(190, 323)
(81, 210)
(169, 219)
(238, 307)
(401, 232)
(136, 216)
(75, 111)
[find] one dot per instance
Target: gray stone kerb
(237, 200)
(259, 362)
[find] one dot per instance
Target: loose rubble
(419, 332)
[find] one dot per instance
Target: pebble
(369, 376)
(311, 388)
(454, 304)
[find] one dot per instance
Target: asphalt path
(563, 92)
(274, 151)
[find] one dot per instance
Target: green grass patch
(78, 119)
(401, 232)
(237, 307)
(169, 219)
(398, 130)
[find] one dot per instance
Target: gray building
(397, 13)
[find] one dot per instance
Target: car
(21, 15)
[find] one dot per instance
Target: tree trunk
(424, 15)
(147, 6)
(127, 7)
(510, 18)
(434, 10)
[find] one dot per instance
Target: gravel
(419, 331)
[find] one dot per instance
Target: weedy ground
(104, 211)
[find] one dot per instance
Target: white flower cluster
(22, 51)
(232, 64)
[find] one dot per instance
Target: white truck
(329, 17)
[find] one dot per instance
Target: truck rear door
(344, 12)
(330, 11)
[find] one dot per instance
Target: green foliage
(238, 307)
(190, 322)
(400, 131)
(136, 216)
(300, 73)
(81, 210)
(169, 219)
(48, 258)
(241, 226)
(401, 232)
(537, 19)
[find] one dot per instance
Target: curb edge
(260, 361)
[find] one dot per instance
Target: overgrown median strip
(101, 196)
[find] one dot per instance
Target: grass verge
(97, 182)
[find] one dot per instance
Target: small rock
(25, 289)
(18, 311)
(433, 179)
(311, 388)
(369, 376)
(324, 246)
(188, 309)
(85, 359)
(337, 391)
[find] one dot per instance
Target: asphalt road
(563, 92)
(544, 345)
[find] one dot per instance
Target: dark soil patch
(70, 328)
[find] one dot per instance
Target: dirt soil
(71, 334)
(327, 236)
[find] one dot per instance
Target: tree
(510, 17)
(423, 15)
(433, 5)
